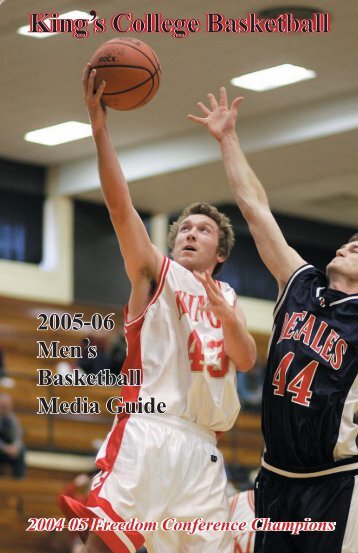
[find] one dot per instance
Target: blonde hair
(226, 233)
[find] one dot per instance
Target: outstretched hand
(216, 303)
(92, 97)
(220, 119)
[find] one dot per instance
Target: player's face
(345, 263)
(196, 244)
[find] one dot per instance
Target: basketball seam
(121, 65)
(152, 75)
(143, 101)
(157, 71)
(138, 50)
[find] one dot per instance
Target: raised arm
(141, 257)
(278, 256)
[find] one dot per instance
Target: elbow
(248, 360)
(252, 210)
(246, 365)
(119, 215)
(248, 207)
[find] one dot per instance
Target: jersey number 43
(197, 357)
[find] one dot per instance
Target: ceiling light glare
(274, 77)
(59, 134)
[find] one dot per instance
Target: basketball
(131, 70)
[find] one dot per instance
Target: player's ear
(220, 257)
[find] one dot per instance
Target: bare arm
(278, 256)
(142, 259)
(238, 343)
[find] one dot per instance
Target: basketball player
(187, 337)
(310, 397)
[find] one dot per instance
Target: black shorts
(331, 499)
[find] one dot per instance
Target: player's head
(201, 238)
(345, 263)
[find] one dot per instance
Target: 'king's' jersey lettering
(179, 349)
(192, 305)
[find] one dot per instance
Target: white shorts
(155, 468)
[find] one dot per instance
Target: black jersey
(310, 396)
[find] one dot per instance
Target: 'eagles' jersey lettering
(306, 330)
(309, 401)
(331, 347)
(290, 324)
(327, 348)
(318, 336)
(337, 356)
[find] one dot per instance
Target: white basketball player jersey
(242, 509)
(179, 349)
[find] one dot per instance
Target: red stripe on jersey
(233, 502)
(250, 539)
(106, 463)
(247, 547)
(251, 499)
(163, 273)
(238, 548)
(75, 509)
(128, 393)
(135, 537)
(132, 361)
(112, 449)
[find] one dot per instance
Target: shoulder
(305, 274)
(180, 275)
(224, 286)
(307, 279)
(228, 292)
